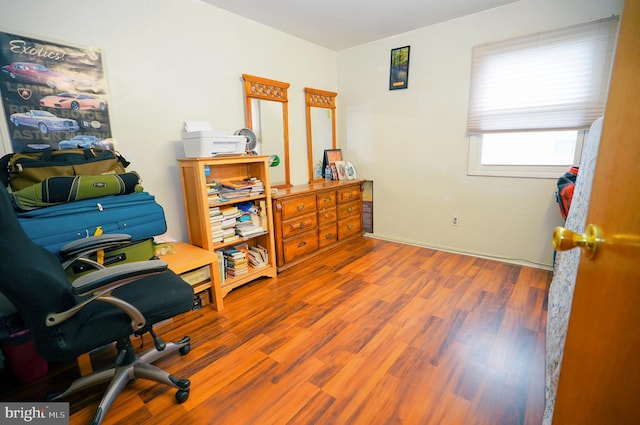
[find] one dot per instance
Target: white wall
(173, 60)
(413, 142)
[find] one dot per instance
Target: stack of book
(232, 189)
(246, 228)
(257, 187)
(228, 224)
(216, 217)
(213, 193)
(258, 256)
(235, 262)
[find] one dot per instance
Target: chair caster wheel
(181, 384)
(185, 350)
(182, 396)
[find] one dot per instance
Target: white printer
(200, 141)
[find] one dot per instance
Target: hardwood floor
(373, 332)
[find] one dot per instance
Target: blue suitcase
(136, 214)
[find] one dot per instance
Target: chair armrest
(112, 277)
(82, 248)
(99, 285)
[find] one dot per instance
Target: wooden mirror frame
(272, 90)
(319, 99)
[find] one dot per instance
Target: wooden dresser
(312, 218)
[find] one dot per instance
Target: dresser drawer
(326, 216)
(300, 246)
(326, 200)
(347, 210)
(349, 227)
(327, 235)
(349, 194)
(298, 225)
(295, 207)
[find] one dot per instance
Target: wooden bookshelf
(197, 174)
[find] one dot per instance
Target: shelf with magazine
(228, 208)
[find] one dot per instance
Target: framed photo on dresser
(341, 168)
(330, 157)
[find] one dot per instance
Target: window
(533, 97)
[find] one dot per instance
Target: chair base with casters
(128, 367)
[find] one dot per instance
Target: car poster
(53, 95)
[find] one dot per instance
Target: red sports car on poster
(73, 101)
(36, 73)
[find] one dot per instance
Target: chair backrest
(33, 280)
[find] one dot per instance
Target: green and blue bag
(62, 189)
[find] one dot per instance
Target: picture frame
(341, 168)
(330, 157)
(399, 68)
(352, 174)
(334, 171)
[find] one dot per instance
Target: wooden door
(600, 377)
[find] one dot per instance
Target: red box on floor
(22, 358)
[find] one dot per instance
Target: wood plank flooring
(374, 332)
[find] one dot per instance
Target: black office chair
(101, 308)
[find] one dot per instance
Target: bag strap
(4, 169)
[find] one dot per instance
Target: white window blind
(552, 80)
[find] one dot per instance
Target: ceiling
(341, 24)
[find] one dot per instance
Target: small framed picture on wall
(399, 69)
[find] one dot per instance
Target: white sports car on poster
(44, 121)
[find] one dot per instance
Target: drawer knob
(350, 209)
(300, 207)
(329, 236)
(302, 225)
(301, 244)
(327, 200)
(350, 226)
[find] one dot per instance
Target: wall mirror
(321, 128)
(267, 115)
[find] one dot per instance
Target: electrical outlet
(454, 220)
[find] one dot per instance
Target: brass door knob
(565, 239)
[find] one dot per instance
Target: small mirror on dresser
(267, 115)
(321, 128)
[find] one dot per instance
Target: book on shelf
(247, 229)
(230, 211)
(237, 184)
(221, 269)
(242, 247)
(230, 238)
(258, 256)
(235, 261)
(213, 194)
(235, 194)
(215, 199)
(233, 253)
(237, 188)
(262, 212)
(228, 222)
